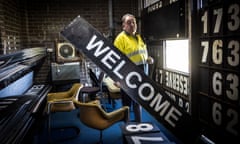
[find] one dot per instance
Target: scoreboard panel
(218, 65)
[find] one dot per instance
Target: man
(131, 44)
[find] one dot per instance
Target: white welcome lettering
(113, 62)
(99, 44)
(111, 59)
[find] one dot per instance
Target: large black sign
(132, 79)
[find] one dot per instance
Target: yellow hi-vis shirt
(133, 47)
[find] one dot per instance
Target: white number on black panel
(140, 139)
(233, 22)
(139, 127)
(233, 58)
(232, 88)
(204, 19)
(219, 14)
(217, 83)
(217, 52)
(231, 116)
(205, 45)
(232, 91)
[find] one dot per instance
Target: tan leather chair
(63, 102)
(92, 115)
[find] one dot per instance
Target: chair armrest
(60, 100)
(122, 113)
(60, 105)
(94, 102)
(58, 95)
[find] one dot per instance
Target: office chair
(63, 102)
(93, 115)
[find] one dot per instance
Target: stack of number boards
(143, 133)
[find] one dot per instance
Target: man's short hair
(126, 15)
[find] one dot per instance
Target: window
(177, 55)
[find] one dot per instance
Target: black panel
(165, 22)
(218, 70)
